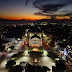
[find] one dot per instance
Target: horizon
(35, 19)
(36, 9)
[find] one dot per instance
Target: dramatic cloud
(50, 7)
(48, 10)
(27, 2)
(69, 14)
(34, 3)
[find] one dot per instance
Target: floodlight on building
(45, 51)
(30, 35)
(44, 35)
(61, 42)
(57, 59)
(34, 49)
(40, 35)
(26, 51)
(23, 43)
(9, 49)
(25, 34)
(4, 36)
(15, 41)
(18, 38)
(47, 44)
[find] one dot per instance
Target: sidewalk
(4, 61)
(2, 66)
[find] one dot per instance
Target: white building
(35, 41)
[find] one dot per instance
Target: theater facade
(35, 41)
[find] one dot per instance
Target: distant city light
(25, 34)
(44, 35)
(9, 49)
(26, 51)
(64, 40)
(18, 38)
(40, 35)
(45, 53)
(61, 42)
(34, 49)
(23, 43)
(57, 59)
(30, 35)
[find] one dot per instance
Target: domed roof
(35, 36)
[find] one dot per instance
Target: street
(44, 60)
(4, 59)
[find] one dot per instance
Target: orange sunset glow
(31, 10)
(61, 18)
(23, 18)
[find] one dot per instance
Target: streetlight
(40, 35)
(64, 40)
(30, 35)
(45, 53)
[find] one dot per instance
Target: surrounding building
(0, 28)
(0, 34)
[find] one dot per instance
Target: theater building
(35, 41)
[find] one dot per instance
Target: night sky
(35, 9)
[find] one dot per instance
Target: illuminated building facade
(35, 41)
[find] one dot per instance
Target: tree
(11, 47)
(10, 64)
(17, 68)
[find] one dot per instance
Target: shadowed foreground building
(0, 33)
(0, 28)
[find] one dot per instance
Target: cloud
(69, 14)
(42, 14)
(26, 2)
(47, 9)
(34, 3)
(38, 13)
(50, 7)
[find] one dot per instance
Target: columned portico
(35, 41)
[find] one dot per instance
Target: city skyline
(35, 9)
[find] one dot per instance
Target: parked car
(3, 54)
